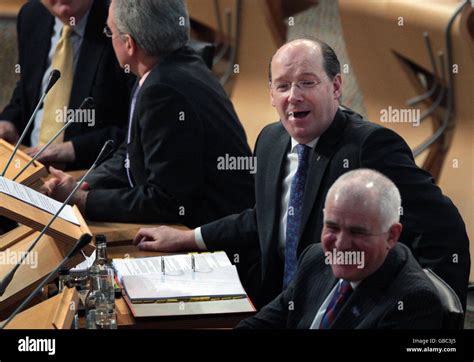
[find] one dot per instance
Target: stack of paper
(36, 199)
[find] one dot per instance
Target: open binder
(185, 284)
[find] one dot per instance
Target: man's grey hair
(159, 27)
(366, 186)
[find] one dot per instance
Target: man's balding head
(304, 89)
(320, 49)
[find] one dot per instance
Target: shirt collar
(311, 144)
(353, 284)
(142, 79)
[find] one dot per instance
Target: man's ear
(394, 234)
(272, 99)
(130, 45)
(337, 86)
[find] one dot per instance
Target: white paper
(36, 199)
(86, 264)
(173, 264)
(217, 283)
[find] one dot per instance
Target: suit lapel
(320, 158)
(272, 196)
(323, 284)
(369, 292)
(92, 46)
(318, 164)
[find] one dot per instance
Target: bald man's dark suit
(433, 228)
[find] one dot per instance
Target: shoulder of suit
(359, 129)
(33, 9)
(271, 131)
(312, 253)
(411, 275)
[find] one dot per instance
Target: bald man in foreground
(359, 276)
(299, 158)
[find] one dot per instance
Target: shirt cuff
(199, 240)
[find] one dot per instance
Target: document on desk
(36, 199)
(185, 285)
(172, 263)
(171, 278)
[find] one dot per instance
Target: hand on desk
(60, 186)
(8, 132)
(165, 239)
(55, 154)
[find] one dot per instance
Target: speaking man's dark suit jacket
(432, 226)
(182, 124)
(397, 296)
(97, 75)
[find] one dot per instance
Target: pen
(193, 263)
(162, 265)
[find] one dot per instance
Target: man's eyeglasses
(284, 87)
(108, 32)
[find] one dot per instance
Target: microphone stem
(38, 288)
(20, 140)
(6, 281)
(43, 148)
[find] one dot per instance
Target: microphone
(104, 152)
(53, 78)
(83, 241)
(87, 103)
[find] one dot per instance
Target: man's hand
(165, 239)
(60, 186)
(8, 132)
(55, 153)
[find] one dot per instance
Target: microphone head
(87, 103)
(83, 241)
(53, 78)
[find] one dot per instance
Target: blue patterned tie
(342, 293)
(129, 135)
(295, 206)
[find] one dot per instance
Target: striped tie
(342, 293)
(295, 206)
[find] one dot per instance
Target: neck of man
(144, 65)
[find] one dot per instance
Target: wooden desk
(119, 245)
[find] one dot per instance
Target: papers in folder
(214, 278)
(36, 199)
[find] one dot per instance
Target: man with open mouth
(299, 158)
